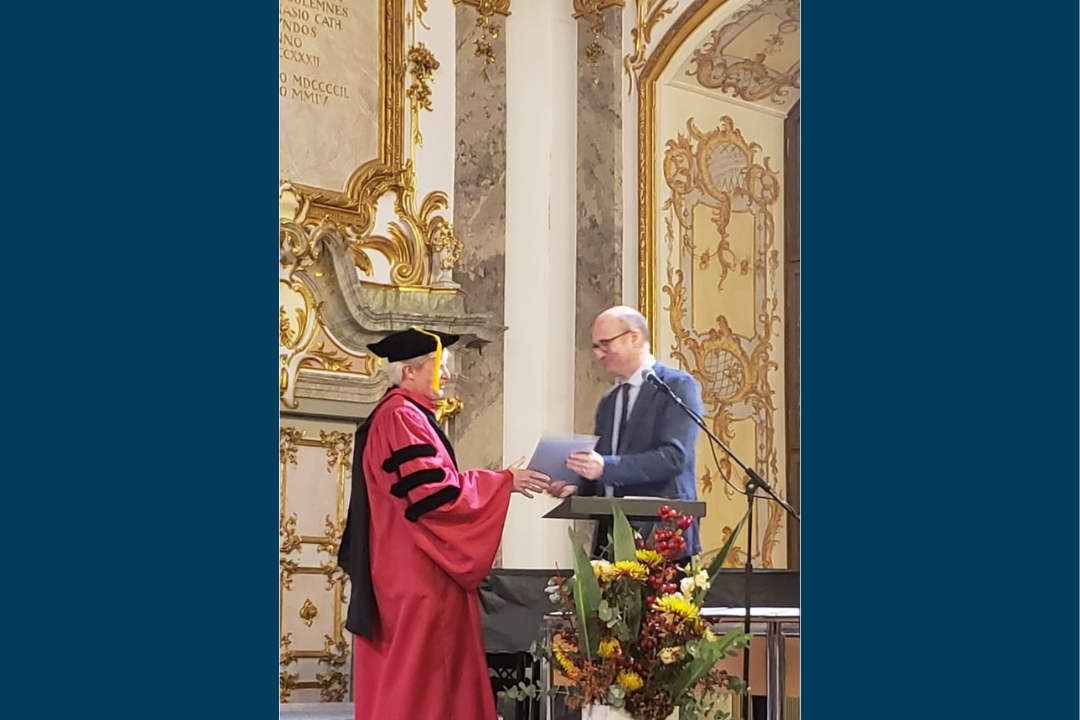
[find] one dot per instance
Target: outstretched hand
(561, 489)
(528, 481)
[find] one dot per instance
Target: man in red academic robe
(420, 537)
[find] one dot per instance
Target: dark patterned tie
(625, 390)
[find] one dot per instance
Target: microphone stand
(755, 481)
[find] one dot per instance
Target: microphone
(654, 379)
(650, 375)
(755, 479)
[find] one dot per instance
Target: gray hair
(394, 370)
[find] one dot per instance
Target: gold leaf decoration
(333, 686)
(361, 259)
(447, 408)
(590, 11)
(422, 67)
(290, 541)
(649, 13)
(308, 611)
(489, 30)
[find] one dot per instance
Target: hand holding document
(551, 455)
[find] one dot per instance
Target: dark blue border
(140, 165)
(939, 283)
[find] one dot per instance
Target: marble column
(480, 225)
(599, 200)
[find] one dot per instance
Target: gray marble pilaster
(599, 202)
(480, 224)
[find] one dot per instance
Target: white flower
(695, 582)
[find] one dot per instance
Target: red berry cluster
(666, 512)
(671, 542)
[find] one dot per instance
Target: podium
(635, 508)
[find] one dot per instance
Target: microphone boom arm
(755, 479)
(755, 482)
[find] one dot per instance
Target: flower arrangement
(631, 636)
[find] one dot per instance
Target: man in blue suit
(647, 442)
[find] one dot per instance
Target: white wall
(540, 260)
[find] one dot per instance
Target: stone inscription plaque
(328, 89)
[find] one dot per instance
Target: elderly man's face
(420, 380)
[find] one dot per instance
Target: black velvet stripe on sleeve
(414, 480)
(407, 453)
(431, 502)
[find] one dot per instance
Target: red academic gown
(434, 532)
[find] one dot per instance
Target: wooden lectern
(636, 508)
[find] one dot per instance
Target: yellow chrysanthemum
(676, 605)
(630, 680)
(601, 569)
(709, 634)
(670, 654)
(564, 662)
(608, 647)
(650, 557)
(631, 569)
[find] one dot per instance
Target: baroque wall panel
(721, 290)
(711, 224)
(315, 472)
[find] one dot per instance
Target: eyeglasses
(604, 344)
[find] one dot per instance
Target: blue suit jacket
(658, 451)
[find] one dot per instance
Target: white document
(552, 452)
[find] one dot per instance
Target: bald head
(628, 318)
(620, 340)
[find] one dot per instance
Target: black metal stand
(754, 482)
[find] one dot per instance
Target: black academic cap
(409, 344)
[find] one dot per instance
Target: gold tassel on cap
(438, 357)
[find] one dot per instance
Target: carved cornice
(584, 8)
(421, 249)
(488, 7)
(318, 263)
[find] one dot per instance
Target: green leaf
(726, 644)
(586, 598)
(718, 561)
(625, 549)
(706, 655)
